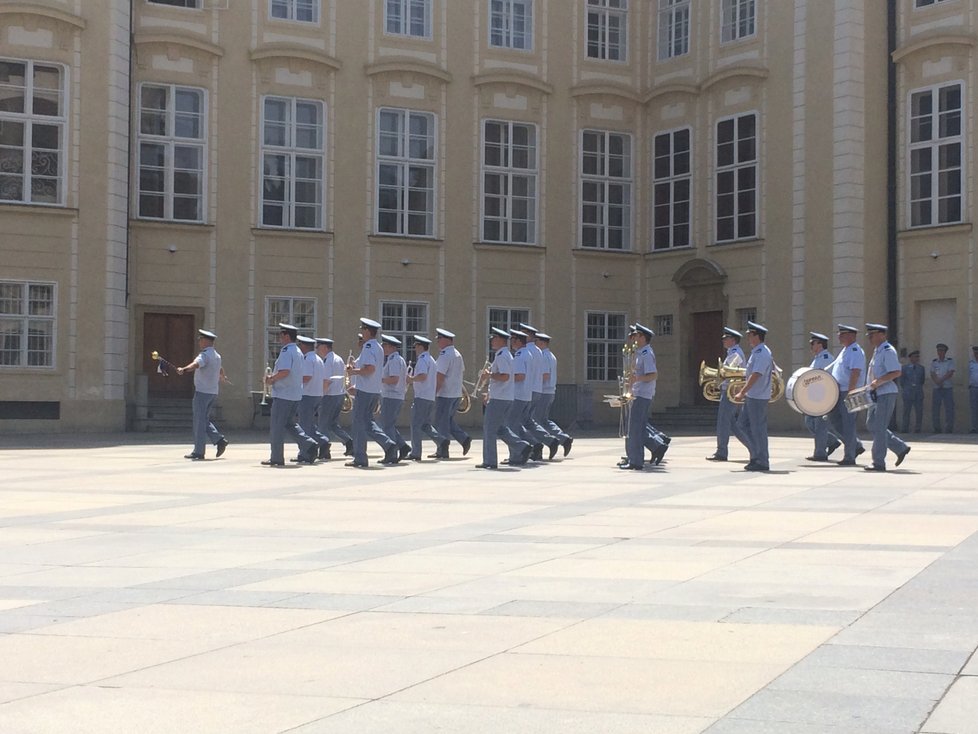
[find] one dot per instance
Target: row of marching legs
(642, 436)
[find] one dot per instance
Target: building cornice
(666, 89)
(517, 78)
(59, 16)
(293, 51)
(606, 89)
(414, 66)
(750, 71)
(932, 39)
(173, 39)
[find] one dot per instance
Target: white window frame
(675, 22)
(404, 21)
(599, 14)
(503, 12)
(170, 142)
(292, 8)
(934, 146)
(28, 119)
(26, 318)
(736, 168)
(606, 182)
(738, 20)
(611, 346)
(290, 316)
(664, 324)
(515, 315)
(671, 180)
(508, 174)
(292, 152)
(400, 328)
(404, 163)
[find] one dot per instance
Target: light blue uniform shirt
(289, 387)
(452, 366)
(312, 366)
(762, 362)
(370, 354)
(334, 366)
(425, 390)
(849, 359)
(536, 367)
(502, 364)
(823, 360)
(395, 366)
(735, 357)
(941, 368)
(521, 366)
(549, 368)
(884, 360)
(207, 376)
(644, 365)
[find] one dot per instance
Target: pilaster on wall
(798, 208)
(848, 153)
(117, 196)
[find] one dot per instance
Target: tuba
(711, 381)
(737, 377)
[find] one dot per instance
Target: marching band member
(548, 381)
(499, 402)
(884, 369)
(848, 369)
(825, 440)
(424, 380)
(756, 392)
(533, 429)
(286, 384)
(313, 376)
(334, 392)
(728, 411)
(367, 369)
(643, 391)
(448, 393)
(208, 375)
(392, 392)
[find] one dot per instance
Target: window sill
(168, 224)
(508, 247)
(398, 239)
(936, 229)
(46, 209)
(301, 234)
(595, 252)
(671, 251)
(737, 244)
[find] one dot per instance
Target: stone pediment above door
(699, 272)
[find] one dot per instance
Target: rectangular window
(305, 11)
(671, 189)
(925, 3)
(606, 190)
(738, 19)
(509, 182)
(300, 312)
(663, 325)
(293, 153)
(736, 194)
(172, 152)
(673, 28)
(403, 320)
(605, 338)
(27, 315)
(406, 173)
(511, 24)
(607, 29)
(408, 18)
(744, 315)
(507, 318)
(178, 3)
(936, 145)
(33, 120)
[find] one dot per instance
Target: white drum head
(812, 392)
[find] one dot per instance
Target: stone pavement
(140, 592)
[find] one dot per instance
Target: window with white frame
(33, 120)
(671, 189)
(178, 3)
(293, 153)
(403, 320)
(406, 173)
(408, 18)
(300, 312)
(606, 190)
(738, 19)
(605, 336)
(673, 28)
(172, 147)
(936, 145)
(744, 315)
(663, 325)
(607, 29)
(736, 189)
(504, 318)
(509, 182)
(27, 319)
(305, 11)
(511, 24)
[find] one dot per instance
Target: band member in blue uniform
(884, 370)
(756, 393)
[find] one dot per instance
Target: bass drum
(812, 392)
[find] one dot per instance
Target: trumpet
(266, 387)
(480, 388)
(164, 364)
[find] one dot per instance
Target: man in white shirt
(312, 394)
(334, 394)
(208, 376)
(424, 379)
(286, 384)
(448, 394)
(392, 391)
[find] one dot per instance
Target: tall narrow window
(408, 17)
(27, 318)
(300, 312)
(178, 3)
(511, 24)
(305, 11)
(604, 339)
(736, 189)
(936, 144)
(672, 178)
(403, 320)
(33, 120)
(607, 29)
(172, 133)
(504, 318)
(673, 28)
(406, 173)
(293, 151)
(606, 190)
(509, 181)
(738, 18)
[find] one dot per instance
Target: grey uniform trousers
(329, 418)
(943, 396)
(203, 428)
(307, 419)
(727, 414)
(844, 424)
(421, 424)
(494, 425)
(390, 409)
(540, 412)
(364, 426)
(445, 424)
(878, 422)
(913, 400)
(282, 422)
(638, 415)
(753, 422)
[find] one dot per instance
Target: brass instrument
(480, 388)
(737, 378)
(347, 382)
(711, 381)
(266, 388)
(624, 396)
(465, 404)
(164, 364)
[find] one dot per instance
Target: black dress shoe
(391, 455)
(757, 467)
(414, 458)
(833, 448)
(816, 458)
(466, 445)
(357, 464)
(348, 448)
(324, 452)
(568, 442)
(874, 468)
(716, 457)
(273, 463)
(902, 456)
(308, 458)
(441, 452)
(659, 455)
(634, 467)
(860, 449)
(846, 462)
(404, 452)
(485, 466)
(553, 450)
(194, 457)
(222, 446)
(536, 452)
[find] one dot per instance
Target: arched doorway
(702, 313)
